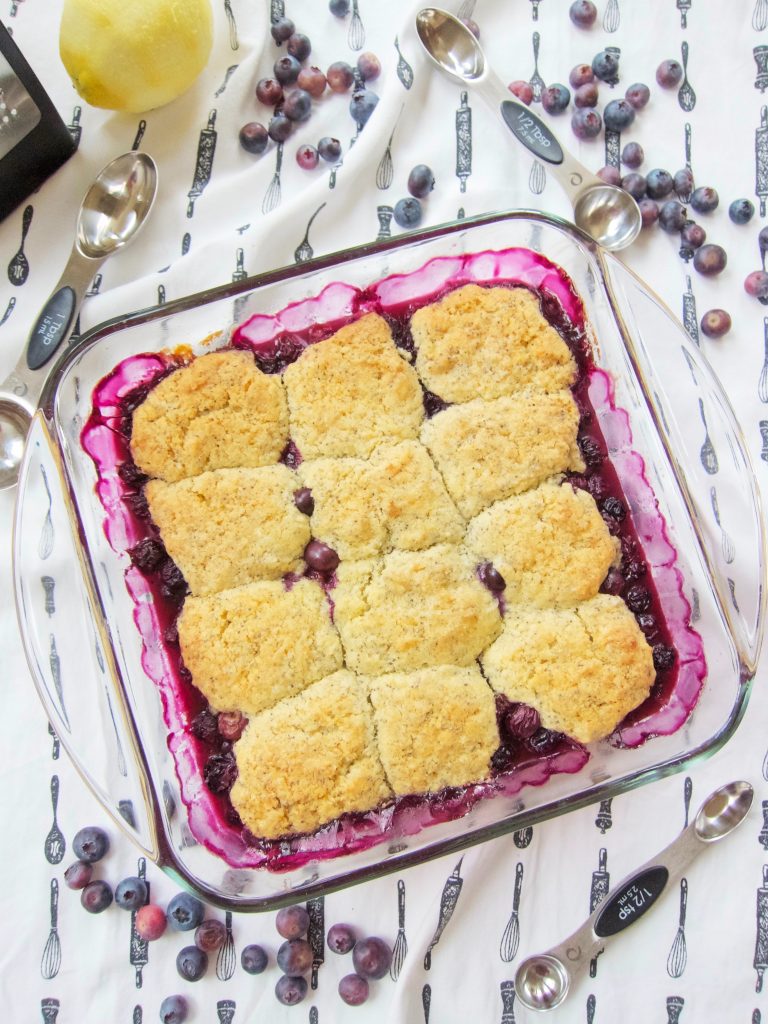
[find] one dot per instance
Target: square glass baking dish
(77, 618)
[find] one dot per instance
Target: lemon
(134, 55)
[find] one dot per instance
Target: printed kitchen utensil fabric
(460, 925)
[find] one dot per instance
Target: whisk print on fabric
(537, 179)
(612, 16)
(313, 1015)
(226, 959)
(138, 1015)
(316, 936)
(463, 141)
(400, 949)
(448, 901)
(273, 194)
(50, 1010)
(507, 992)
(50, 962)
(55, 845)
(598, 890)
(760, 15)
(678, 954)
(385, 171)
(510, 939)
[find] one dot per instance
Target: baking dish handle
(63, 636)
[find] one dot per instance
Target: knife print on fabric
(463, 141)
(507, 991)
(510, 939)
(51, 959)
(56, 744)
(604, 819)
(55, 845)
(760, 961)
(138, 1015)
(313, 1015)
(674, 1008)
(426, 1001)
(400, 950)
(8, 309)
(225, 1010)
(206, 149)
(55, 664)
(50, 1010)
(232, 25)
(756, 1017)
(139, 948)
(522, 837)
(687, 794)
(732, 588)
(404, 69)
(597, 892)
(448, 901)
(316, 936)
(591, 1005)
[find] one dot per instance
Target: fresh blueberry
(582, 13)
(371, 957)
(582, 74)
(290, 991)
(660, 183)
(184, 912)
(297, 105)
(555, 98)
(96, 896)
(741, 211)
(173, 1010)
(292, 922)
(704, 199)
(307, 157)
(610, 175)
(78, 875)
(522, 90)
(340, 938)
(618, 115)
(407, 212)
(715, 323)
(90, 844)
(637, 95)
(756, 285)
(282, 29)
(312, 80)
(683, 183)
(191, 963)
(254, 959)
(421, 181)
(151, 922)
(692, 235)
(231, 725)
(362, 105)
(672, 216)
(210, 935)
(280, 127)
(606, 67)
(286, 69)
(635, 184)
(353, 989)
(330, 150)
(131, 893)
(254, 137)
(669, 74)
(320, 557)
(491, 578)
(586, 124)
(586, 95)
(710, 260)
(632, 155)
(298, 46)
(339, 8)
(269, 91)
(663, 657)
(220, 772)
(369, 66)
(340, 76)
(294, 957)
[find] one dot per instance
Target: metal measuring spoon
(542, 981)
(605, 212)
(114, 208)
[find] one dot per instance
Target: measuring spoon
(543, 981)
(114, 208)
(605, 212)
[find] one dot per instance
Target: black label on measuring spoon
(631, 901)
(532, 132)
(51, 327)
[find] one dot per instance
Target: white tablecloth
(231, 229)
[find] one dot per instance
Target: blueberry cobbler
(382, 563)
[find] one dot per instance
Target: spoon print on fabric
(18, 268)
(55, 845)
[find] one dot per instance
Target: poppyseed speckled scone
(488, 342)
(351, 392)
(435, 727)
(550, 544)
(412, 610)
(230, 526)
(582, 668)
(309, 759)
(487, 451)
(251, 647)
(219, 411)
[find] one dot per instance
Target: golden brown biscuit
(434, 728)
(582, 668)
(413, 610)
(487, 451)
(488, 342)
(347, 512)
(550, 544)
(352, 392)
(308, 760)
(217, 412)
(230, 526)
(249, 648)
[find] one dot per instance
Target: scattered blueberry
(353, 989)
(320, 556)
(491, 577)
(632, 155)
(330, 150)
(369, 66)
(298, 46)
(220, 772)
(710, 260)
(582, 74)
(294, 957)
(741, 211)
(635, 184)
(173, 1010)
(715, 323)
(78, 875)
(669, 74)
(254, 137)
(254, 959)
(340, 938)
(269, 91)
(96, 896)
(231, 725)
(555, 98)
(421, 181)
(618, 115)
(638, 598)
(663, 657)
(586, 124)
(362, 105)
(339, 8)
(290, 991)
(191, 963)
(523, 91)
(131, 893)
(586, 95)
(286, 69)
(280, 127)
(692, 235)
(756, 285)
(282, 29)
(683, 182)
(292, 922)
(407, 212)
(637, 95)
(210, 935)
(660, 183)
(610, 175)
(151, 922)
(606, 67)
(312, 80)
(582, 13)
(704, 199)
(307, 157)
(90, 844)
(184, 912)
(672, 216)
(371, 957)
(340, 76)
(297, 105)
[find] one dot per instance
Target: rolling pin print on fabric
(507, 989)
(206, 149)
(463, 141)
(316, 935)
(448, 901)
(50, 1010)
(139, 948)
(597, 892)
(760, 961)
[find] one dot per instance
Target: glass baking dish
(77, 618)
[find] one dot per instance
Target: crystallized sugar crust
(230, 526)
(413, 610)
(217, 412)
(488, 342)
(434, 728)
(309, 759)
(352, 392)
(583, 668)
(550, 544)
(251, 647)
(487, 451)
